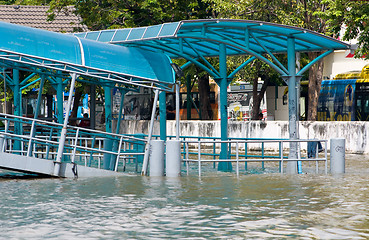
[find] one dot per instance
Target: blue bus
(345, 98)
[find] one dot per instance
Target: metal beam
(323, 55)
(230, 76)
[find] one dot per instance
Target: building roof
(36, 17)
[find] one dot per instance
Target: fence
(40, 139)
(238, 153)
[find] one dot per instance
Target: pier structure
(141, 57)
(63, 60)
(195, 40)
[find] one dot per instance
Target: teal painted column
(189, 97)
(223, 84)
(108, 109)
(39, 97)
(117, 129)
(292, 105)
(163, 115)
(60, 100)
(108, 143)
(17, 106)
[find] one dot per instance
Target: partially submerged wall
(355, 133)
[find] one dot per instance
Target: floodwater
(215, 206)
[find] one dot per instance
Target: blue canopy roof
(28, 47)
(195, 37)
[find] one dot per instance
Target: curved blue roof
(194, 37)
(35, 47)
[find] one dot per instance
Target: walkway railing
(198, 151)
(40, 139)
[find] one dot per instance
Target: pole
(189, 97)
(108, 111)
(60, 97)
(39, 97)
(177, 110)
(63, 133)
(4, 90)
(163, 115)
(292, 105)
(147, 147)
(17, 109)
(93, 106)
(223, 84)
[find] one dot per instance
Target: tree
(252, 10)
(353, 18)
(110, 14)
(313, 15)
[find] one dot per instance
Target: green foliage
(110, 14)
(353, 16)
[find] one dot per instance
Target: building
(36, 17)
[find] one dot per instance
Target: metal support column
(108, 143)
(17, 107)
(189, 97)
(292, 105)
(60, 100)
(147, 147)
(39, 97)
(163, 115)
(223, 84)
(117, 129)
(177, 109)
(93, 106)
(108, 109)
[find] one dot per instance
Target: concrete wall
(355, 133)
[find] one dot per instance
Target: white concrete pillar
(173, 158)
(156, 158)
(337, 150)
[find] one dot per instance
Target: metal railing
(38, 138)
(240, 153)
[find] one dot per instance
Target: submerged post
(157, 158)
(173, 158)
(337, 148)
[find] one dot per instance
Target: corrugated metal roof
(36, 17)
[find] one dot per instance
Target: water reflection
(217, 206)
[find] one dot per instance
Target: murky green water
(217, 206)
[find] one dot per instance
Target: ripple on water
(217, 206)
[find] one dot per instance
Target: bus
(345, 98)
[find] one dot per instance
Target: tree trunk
(257, 97)
(204, 95)
(315, 82)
